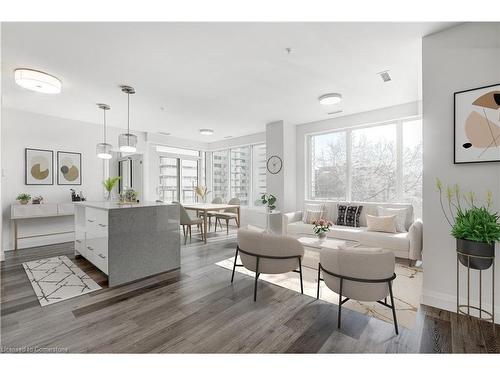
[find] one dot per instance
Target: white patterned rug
(57, 279)
(407, 289)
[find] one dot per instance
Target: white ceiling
(232, 77)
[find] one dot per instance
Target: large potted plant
(476, 228)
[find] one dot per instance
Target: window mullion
(399, 161)
(348, 139)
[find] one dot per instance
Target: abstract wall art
(69, 168)
(477, 125)
(38, 167)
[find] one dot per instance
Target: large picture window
(376, 163)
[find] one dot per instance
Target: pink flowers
(322, 223)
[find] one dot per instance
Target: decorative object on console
(39, 166)
(109, 184)
(321, 228)
(77, 197)
(274, 164)
(348, 215)
(103, 150)
(476, 230)
(128, 141)
(477, 125)
(386, 224)
(202, 192)
(69, 168)
(37, 200)
(23, 198)
(400, 213)
(128, 196)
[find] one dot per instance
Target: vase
(24, 202)
(107, 195)
(321, 236)
(475, 249)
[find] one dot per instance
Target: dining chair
(187, 221)
(228, 214)
(210, 214)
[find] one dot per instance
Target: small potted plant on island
(321, 228)
(23, 198)
(476, 228)
(109, 184)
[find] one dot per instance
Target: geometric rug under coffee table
(407, 288)
(57, 279)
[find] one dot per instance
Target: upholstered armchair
(268, 254)
(360, 274)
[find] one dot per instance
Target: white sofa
(407, 245)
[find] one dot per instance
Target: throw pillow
(400, 216)
(312, 212)
(348, 215)
(381, 223)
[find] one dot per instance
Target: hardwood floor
(197, 310)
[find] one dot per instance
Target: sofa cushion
(385, 224)
(348, 215)
(313, 212)
(400, 216)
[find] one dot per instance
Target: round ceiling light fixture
(35, 80)
(330, 99)
(206, 131)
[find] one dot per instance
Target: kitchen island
(128, 242)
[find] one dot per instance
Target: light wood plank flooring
(197, 310)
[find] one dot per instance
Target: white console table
(38, 211)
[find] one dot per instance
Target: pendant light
(127, 141)
(103, 149)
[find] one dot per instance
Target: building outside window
(220, 174)
(258, 172)
(240, 174)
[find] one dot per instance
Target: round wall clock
(274, 164)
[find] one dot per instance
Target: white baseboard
(43, 241)
(448, 302)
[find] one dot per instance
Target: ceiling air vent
(385, 76)
(335, 112)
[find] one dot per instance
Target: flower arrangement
(202, 192)
(23, 198)
(321, 227)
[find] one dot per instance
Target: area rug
(57, 279)
(407, 288)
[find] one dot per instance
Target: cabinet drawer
(101, 262)
(97, 219)
(80, 246)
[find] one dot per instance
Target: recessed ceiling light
(330, 99)
(35, 80)
(206, 131)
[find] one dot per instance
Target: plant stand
(466, 309)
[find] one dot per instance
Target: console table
(38, 211)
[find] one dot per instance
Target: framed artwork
(477, 125)
(69, 168)
(38, 167)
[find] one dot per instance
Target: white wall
(22, 130)
(363, 118)
(463, 57)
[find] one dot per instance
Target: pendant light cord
(128, 119)
(104, 110)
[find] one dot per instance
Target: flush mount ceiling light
(127, 141)
(35, 80)
(206, 131)
(330, 99)
(103, 150)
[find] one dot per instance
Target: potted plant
(476, 228)
(129, 196)
(269, 200)
(109, 184)
(202, 192)
(321, 228)
(23, 198)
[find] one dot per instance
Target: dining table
(205, 207)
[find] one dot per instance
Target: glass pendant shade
(103, 151)
(127, 142)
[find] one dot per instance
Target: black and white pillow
(348, 215)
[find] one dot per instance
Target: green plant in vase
(475, 227)
(109, 185)
(23, 198)
(268, 200)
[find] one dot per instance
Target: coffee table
(313, 246)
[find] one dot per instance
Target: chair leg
(234, 265)
(393, 308)
(220, 224)
(300, 272)
(256, 278)
(227, 226)
(216, 225)
(319, 279)
(190, 237)
(340, 303)
(209, 223)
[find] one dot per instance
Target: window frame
(348, 131)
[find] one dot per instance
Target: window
(239, 172)
(373, 164)
(220, 174)
(189, 173)
(329, 166)
(168, 179)
(379, 163)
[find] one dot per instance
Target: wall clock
(274, 164)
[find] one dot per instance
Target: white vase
(321, 236)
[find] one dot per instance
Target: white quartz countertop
(116, 206)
